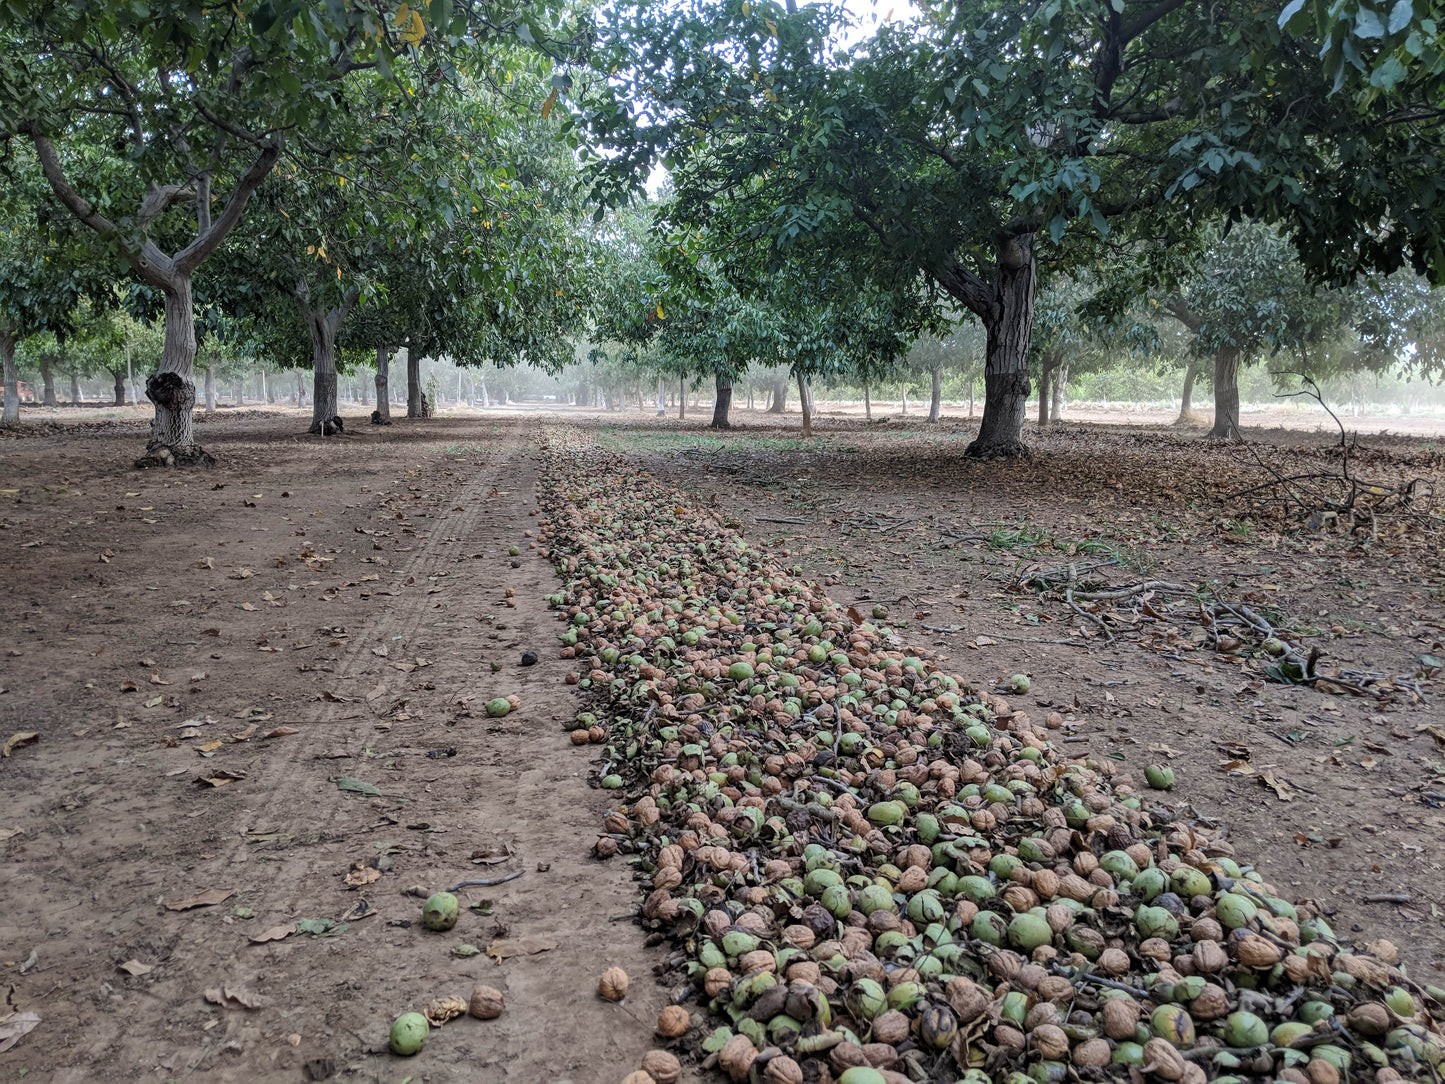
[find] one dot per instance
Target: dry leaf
(275, 933)
(220, 995)
(210, 746)
(208, 898)
(205, 562)
(220, 777)
(362, 874)
(1279, 786)
(16, 1026)
(6, 833)
(128, 686)
(136, 968)
(247, 606)
(242, 574)
(281, 732)
(521, 946)
(16, 740)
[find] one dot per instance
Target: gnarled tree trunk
(169, 388)
(722, 402)
(1226, 394)
(780, 395)
(323, 325)
(935, 402)
(10, 414)
(382, 414)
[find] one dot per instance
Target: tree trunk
(1061, 386)
(486, 399)
(1048, 366)
(661, 396)
(11, 411)
(170, 389)
(1226, 394)
(324, 408)
(970, 398)
(383, 386)
(805, 401)
(780, 395)
(414, 394)
(211, 386)
(867, 403)
(300, 387)
(75, 398)
(935, 402)
(118, 375)
(47, 379)
(1009, 321)
(722, 401)
(750, 395)
(1186, 396)
(240, 391)
(681, 398)
(903, 396)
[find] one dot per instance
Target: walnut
(1166, 1062)
(737, 1057)
(613, 984)
(443, 1009)
(662, 1066)
(672, 1022)
(1050, 1041)
(1120, 1017)
(487, 1003)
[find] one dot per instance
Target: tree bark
(867, 403)
(1048, 367)
(210, 385)
(935, 402)
(414, 394)
(47, 380)
(681, 398)
(486, 399)
(75, 398)
(723, 401)
(805, 401)
(118, 376)
(1226, 394)
(661, 396)
(240, 391)
(1006, 309)
(1186, 396)
(780, 395)
(382, 414)
(10, 414)
(903, 397)
(170, 390)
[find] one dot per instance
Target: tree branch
(159, 199)
(961, 283)
(191, 257)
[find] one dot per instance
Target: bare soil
(354, 591)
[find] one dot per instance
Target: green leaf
(1400, 15)
(1368, 25)
(1292, 9)
(321, 927)
(357, 786)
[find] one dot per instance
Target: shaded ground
(354, 592)
(894, 516)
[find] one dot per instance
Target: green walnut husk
(440, 911)
(408, 1034)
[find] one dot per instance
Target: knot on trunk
(170, 390)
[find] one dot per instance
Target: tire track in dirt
(512, 782)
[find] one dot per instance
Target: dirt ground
(354, 591)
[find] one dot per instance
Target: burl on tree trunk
(723, 401)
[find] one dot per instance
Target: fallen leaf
(1284, 791)
(210, 746)
(242, 574)
(275, 933)
(13, 1028)
(6, 833)
(333, 698)
(23, 737)
(521, 946)
(356, 786)
(155, 701)
(244, 998)
(321, 927)
(281, 732)
(205, 562)
(209, 898)
(247, 606)
(220, 777)
(136, 968)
